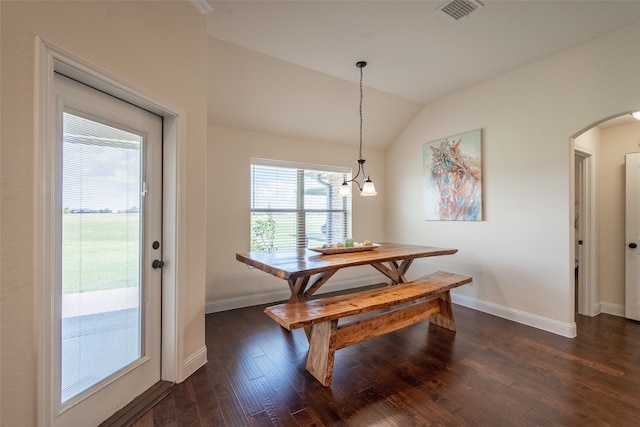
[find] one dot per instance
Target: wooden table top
(292, 263)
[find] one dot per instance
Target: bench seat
(430, 295)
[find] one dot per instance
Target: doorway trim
(50, 59)
(588, 303)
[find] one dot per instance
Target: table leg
(320, 280)
(394, 271)
(300, 292)
(404, 266)
(297, 287)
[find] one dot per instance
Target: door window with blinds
(296, 205)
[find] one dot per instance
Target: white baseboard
(274, 296)
(550, 325)
(194, 362)
(613, 309)
(245, 301)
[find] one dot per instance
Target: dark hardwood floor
(492, 372)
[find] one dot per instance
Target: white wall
(159, 47)
(589, 141)
(615, 143)
(231, 284)
(520, 256)
(253, 91)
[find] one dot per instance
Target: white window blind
(297, 205)
(100, 319)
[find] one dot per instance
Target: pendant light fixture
(366, 188)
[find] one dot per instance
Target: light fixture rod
(367, 188)
(361, 65)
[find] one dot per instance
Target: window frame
(300, 210)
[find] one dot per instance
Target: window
(297, 205)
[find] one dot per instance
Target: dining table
(306, 270)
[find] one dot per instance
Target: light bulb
(368, 189)
(345, 190)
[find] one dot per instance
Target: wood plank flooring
(492, 372)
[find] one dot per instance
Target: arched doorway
(598, 215)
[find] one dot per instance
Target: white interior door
(105, 317)
(584, 230)
(578, 242)
(632, 235)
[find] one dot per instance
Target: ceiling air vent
(457, 9)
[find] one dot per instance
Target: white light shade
(345, 190)
(636, 115)
(368, 189)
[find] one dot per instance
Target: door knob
(157, 264)
(633, 245)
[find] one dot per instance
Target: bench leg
(322, 351)
(445, 317)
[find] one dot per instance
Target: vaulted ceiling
(288, 67)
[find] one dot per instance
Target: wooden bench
(322, 316)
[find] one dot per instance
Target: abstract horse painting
(453, 178)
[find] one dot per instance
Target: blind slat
(297, 207)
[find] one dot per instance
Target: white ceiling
(415, 54)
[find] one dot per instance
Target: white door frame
(588, 303)
(49, 58)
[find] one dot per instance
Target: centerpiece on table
(349, 245)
